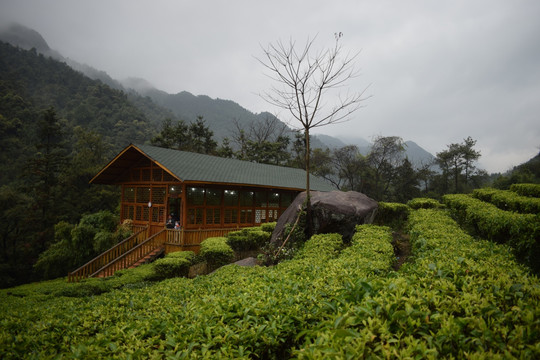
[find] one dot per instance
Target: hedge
(460, 298)
(392, 214)
(520, 231)
(532, 190)
(175, 264)
(216, 252)
(248, 239)
(424, 203)
(509, 200)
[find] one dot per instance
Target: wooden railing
(113, 253)
(194, 237)
(136, 247)
(124, 261)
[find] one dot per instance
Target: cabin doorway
(175, 209)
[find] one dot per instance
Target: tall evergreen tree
(46, 167)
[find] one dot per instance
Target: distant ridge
(220, 115)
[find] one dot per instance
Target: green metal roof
(188, 166)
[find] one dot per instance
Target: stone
(249, 261)
(331, 212)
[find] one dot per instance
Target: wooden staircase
(133, 251)
(149, 258)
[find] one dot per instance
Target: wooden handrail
(194, 237)
(132, 256)
(136, 247)
(106, 257)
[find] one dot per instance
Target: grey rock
(331, 212)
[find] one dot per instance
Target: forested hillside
(57, 129)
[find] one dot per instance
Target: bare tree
(305, 79)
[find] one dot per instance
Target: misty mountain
(221, 116)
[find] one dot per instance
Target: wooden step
(148, 258)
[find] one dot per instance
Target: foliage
(509, 200)
(174, 264)
(265, 142)
(194, 137)
(74, 245)
(216, 252)
(459, 174)
(423, 203)
(532, 190)
(460, 299)
(392, 214)
(268, 227)
(528, 172)
(248, 239)
(520, 231)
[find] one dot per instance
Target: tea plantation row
(457, 297)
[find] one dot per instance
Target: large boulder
(331, 212)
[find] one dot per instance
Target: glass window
(195, 196)
(213, 197)
(129, 194)
(195, 216)
(260, 216)
(128, 212)
(246, 198)
(213, 216)
(158, 214)
(158, 195)
(230, 198)
(175, 189)
(143, 195)
(260, 199)
(273, 200)
(230, 216)
(145, 212)
(246, 216)
(167, 176)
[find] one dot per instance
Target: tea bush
(461, 298)
(174, 264)
(532, 190)
(458, 298)
(248, 239)
(392, 214)
(424, 203)
(520, 231)
(216, 252)
(509, 200)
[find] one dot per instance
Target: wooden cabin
(207, 195)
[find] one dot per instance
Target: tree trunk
(309, 224)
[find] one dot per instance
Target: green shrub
(532, 190)
(268, 227)
(248, 239)
(174, 265)
(424, 203)
(509, 200)
(520, 231)
(392, 214)
(216, 252)
(321, 247)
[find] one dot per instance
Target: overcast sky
(438, 71)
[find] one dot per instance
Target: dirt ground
(402, 248)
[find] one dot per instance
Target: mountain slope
(221, 116)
